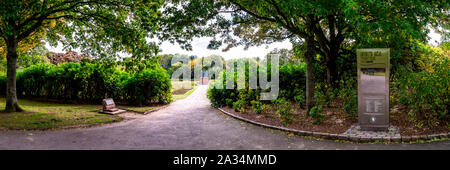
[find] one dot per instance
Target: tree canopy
(101, 29)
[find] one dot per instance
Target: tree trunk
(11, 91)
(331, 68)
(309, 60)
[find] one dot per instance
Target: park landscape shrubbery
(92, 82)
(291, 83)
(423, 91)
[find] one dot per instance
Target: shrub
(257, 106)
(292, 80)
(92, 82)
(300, 98)
(229, 102)
(239, 106)
(292, 83)
(218, 96)
(426, 92)
(349, 94)
(315, 113)
(283, 108)
(33, 81)
(149, 86)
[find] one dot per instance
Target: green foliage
(257, 106)
(229, 102)
(315, 114)
(316, 111)
(218, 96)
(149, 86)
(100, 28)
(426, 92)
(300, 98)
(239, 106)
(292, 80)
(283, 107)
(29, 60)
(292, 83)
(348, 93)
(92, 82)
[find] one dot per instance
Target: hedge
(92, 82)
(291, 83)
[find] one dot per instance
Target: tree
(100, 28)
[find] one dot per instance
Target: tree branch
(251, 13)
(322, 39)
(287, 22)
(41, 18)
(36, 16)
(30, 30)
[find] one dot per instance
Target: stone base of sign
(374, 128)
(112, 111)
(204, 81)
(356, 131)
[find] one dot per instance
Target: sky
(199, 48)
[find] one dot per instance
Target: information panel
(373, 88)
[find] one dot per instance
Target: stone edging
(332, 136)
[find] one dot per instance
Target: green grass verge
(47, 115)
(138, 109)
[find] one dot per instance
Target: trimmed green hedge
(92, 82)
(292, 86)
(148, 86)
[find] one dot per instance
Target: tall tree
(100, 28)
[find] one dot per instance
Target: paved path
(186, 124)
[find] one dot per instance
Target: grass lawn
(47, 115)
(180, 89)
(138, 109)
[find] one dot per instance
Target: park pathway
(189, 123)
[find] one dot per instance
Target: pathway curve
(190, 123)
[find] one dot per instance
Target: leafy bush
(229, 102)
(292, 83)
(283, 108)
(349, 94)
(239, 106)
(217, 96)
(257, 106)
(300, 98)
(426, 92)
(149, 86)
(292, 80)
(87, 81)
(315, 113)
